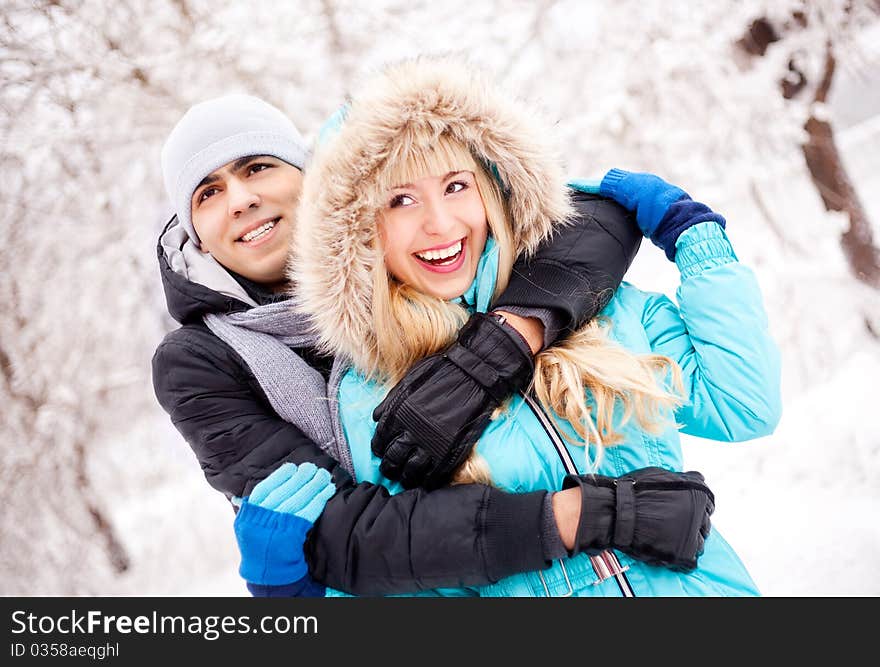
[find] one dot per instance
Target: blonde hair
(587, 361)
(410, 326)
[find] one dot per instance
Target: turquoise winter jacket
(717, 334)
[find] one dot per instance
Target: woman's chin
(446, 289)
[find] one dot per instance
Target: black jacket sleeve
(369, 543)
(366, 541)
(577, 270)
(221, 411)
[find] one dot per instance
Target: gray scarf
(263, 336)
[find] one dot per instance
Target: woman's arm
(719, 337)
(718, 334)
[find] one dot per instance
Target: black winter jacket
(368, 542)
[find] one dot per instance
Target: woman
(244, 387)
(410, 219)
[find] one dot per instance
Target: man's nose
(241, 197)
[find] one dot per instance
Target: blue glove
(272, 523)
(662, 210)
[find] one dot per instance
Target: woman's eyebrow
(446, 176)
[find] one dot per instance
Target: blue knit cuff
(271, 545)
(701, 247)
(681, 215)
(608, 186)
(304, 588)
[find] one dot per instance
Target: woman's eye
(456, 186)
(400, 200)
(207, 192)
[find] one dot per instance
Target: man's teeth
(259, 231)
(435, 255)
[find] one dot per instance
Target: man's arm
(369, 543)
(366, 541)
(221, 412)
(660, 517)
(573, 275)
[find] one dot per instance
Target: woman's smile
(443, 259)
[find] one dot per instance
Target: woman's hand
(272, 523)
(663, 211)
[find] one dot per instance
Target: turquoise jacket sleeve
(719, 337)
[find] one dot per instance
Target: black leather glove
(428, 424)
(654, 515)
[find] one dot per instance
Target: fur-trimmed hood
(407, 104)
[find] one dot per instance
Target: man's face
(244, 215)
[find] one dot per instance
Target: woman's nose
(438, 219)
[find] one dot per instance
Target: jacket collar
(478, 296)
(195, 283)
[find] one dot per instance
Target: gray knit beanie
(218, 131)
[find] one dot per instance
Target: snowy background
(102, 496)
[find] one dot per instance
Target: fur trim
(406, 104)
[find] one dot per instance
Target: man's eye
(207, 192)
(456, 186)
(400, 200)
(258, 166)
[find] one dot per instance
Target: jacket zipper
(605, 564)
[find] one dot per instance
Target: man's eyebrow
(210, 178)
(240, 163)
(447, 175)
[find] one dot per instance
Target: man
(244, 386)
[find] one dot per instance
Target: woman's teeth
(259, 231)
(440, 257)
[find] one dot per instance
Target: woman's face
(433, 231)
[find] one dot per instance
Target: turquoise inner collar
(478, 297)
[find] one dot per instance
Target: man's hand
(654, 515)
(429, 422)
(567, 511)
(531, 329)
